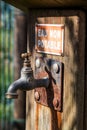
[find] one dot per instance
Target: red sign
(49, 38)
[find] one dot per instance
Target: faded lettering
(49, 44)
(55, 33)
(42, 33)
(50, 38)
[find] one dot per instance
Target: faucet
(27, 81)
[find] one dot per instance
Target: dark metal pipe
(26, 83)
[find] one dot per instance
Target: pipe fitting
(26, 82)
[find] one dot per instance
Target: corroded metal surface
(51, 96)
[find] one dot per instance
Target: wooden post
(39, 117)
(20, 47)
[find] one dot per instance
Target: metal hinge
(51, 96)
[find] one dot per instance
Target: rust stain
(37, 113)
(51, 96)
(38, 108)
(59, 120)
(56, 121)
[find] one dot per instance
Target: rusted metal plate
(51, 96)
(49, 38)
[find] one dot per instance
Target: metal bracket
(51, 96)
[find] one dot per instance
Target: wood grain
(40, 117)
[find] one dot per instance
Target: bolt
(55, 103)
(38, 63)
(37, 96)
(55, 67)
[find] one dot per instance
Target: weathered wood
(85, 106)
(20, 47)
(39, 117)
(85, 93)
(25, 4)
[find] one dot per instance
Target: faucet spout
(25, 85)
(12, 90)
(26, 82)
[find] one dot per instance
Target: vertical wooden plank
(85, 106)
(39, 117)
(85, 93)
(20, 46)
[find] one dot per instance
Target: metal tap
(26, 82)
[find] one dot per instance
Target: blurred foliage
(6, 61)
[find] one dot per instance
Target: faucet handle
(26, 57)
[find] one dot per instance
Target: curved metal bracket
(51, 96)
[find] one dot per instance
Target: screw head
(38, 63)
(37, 96)
(55, 67)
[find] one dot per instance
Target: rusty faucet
(26, 82)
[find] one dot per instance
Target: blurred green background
(6, 63)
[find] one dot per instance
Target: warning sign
(49, 38)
